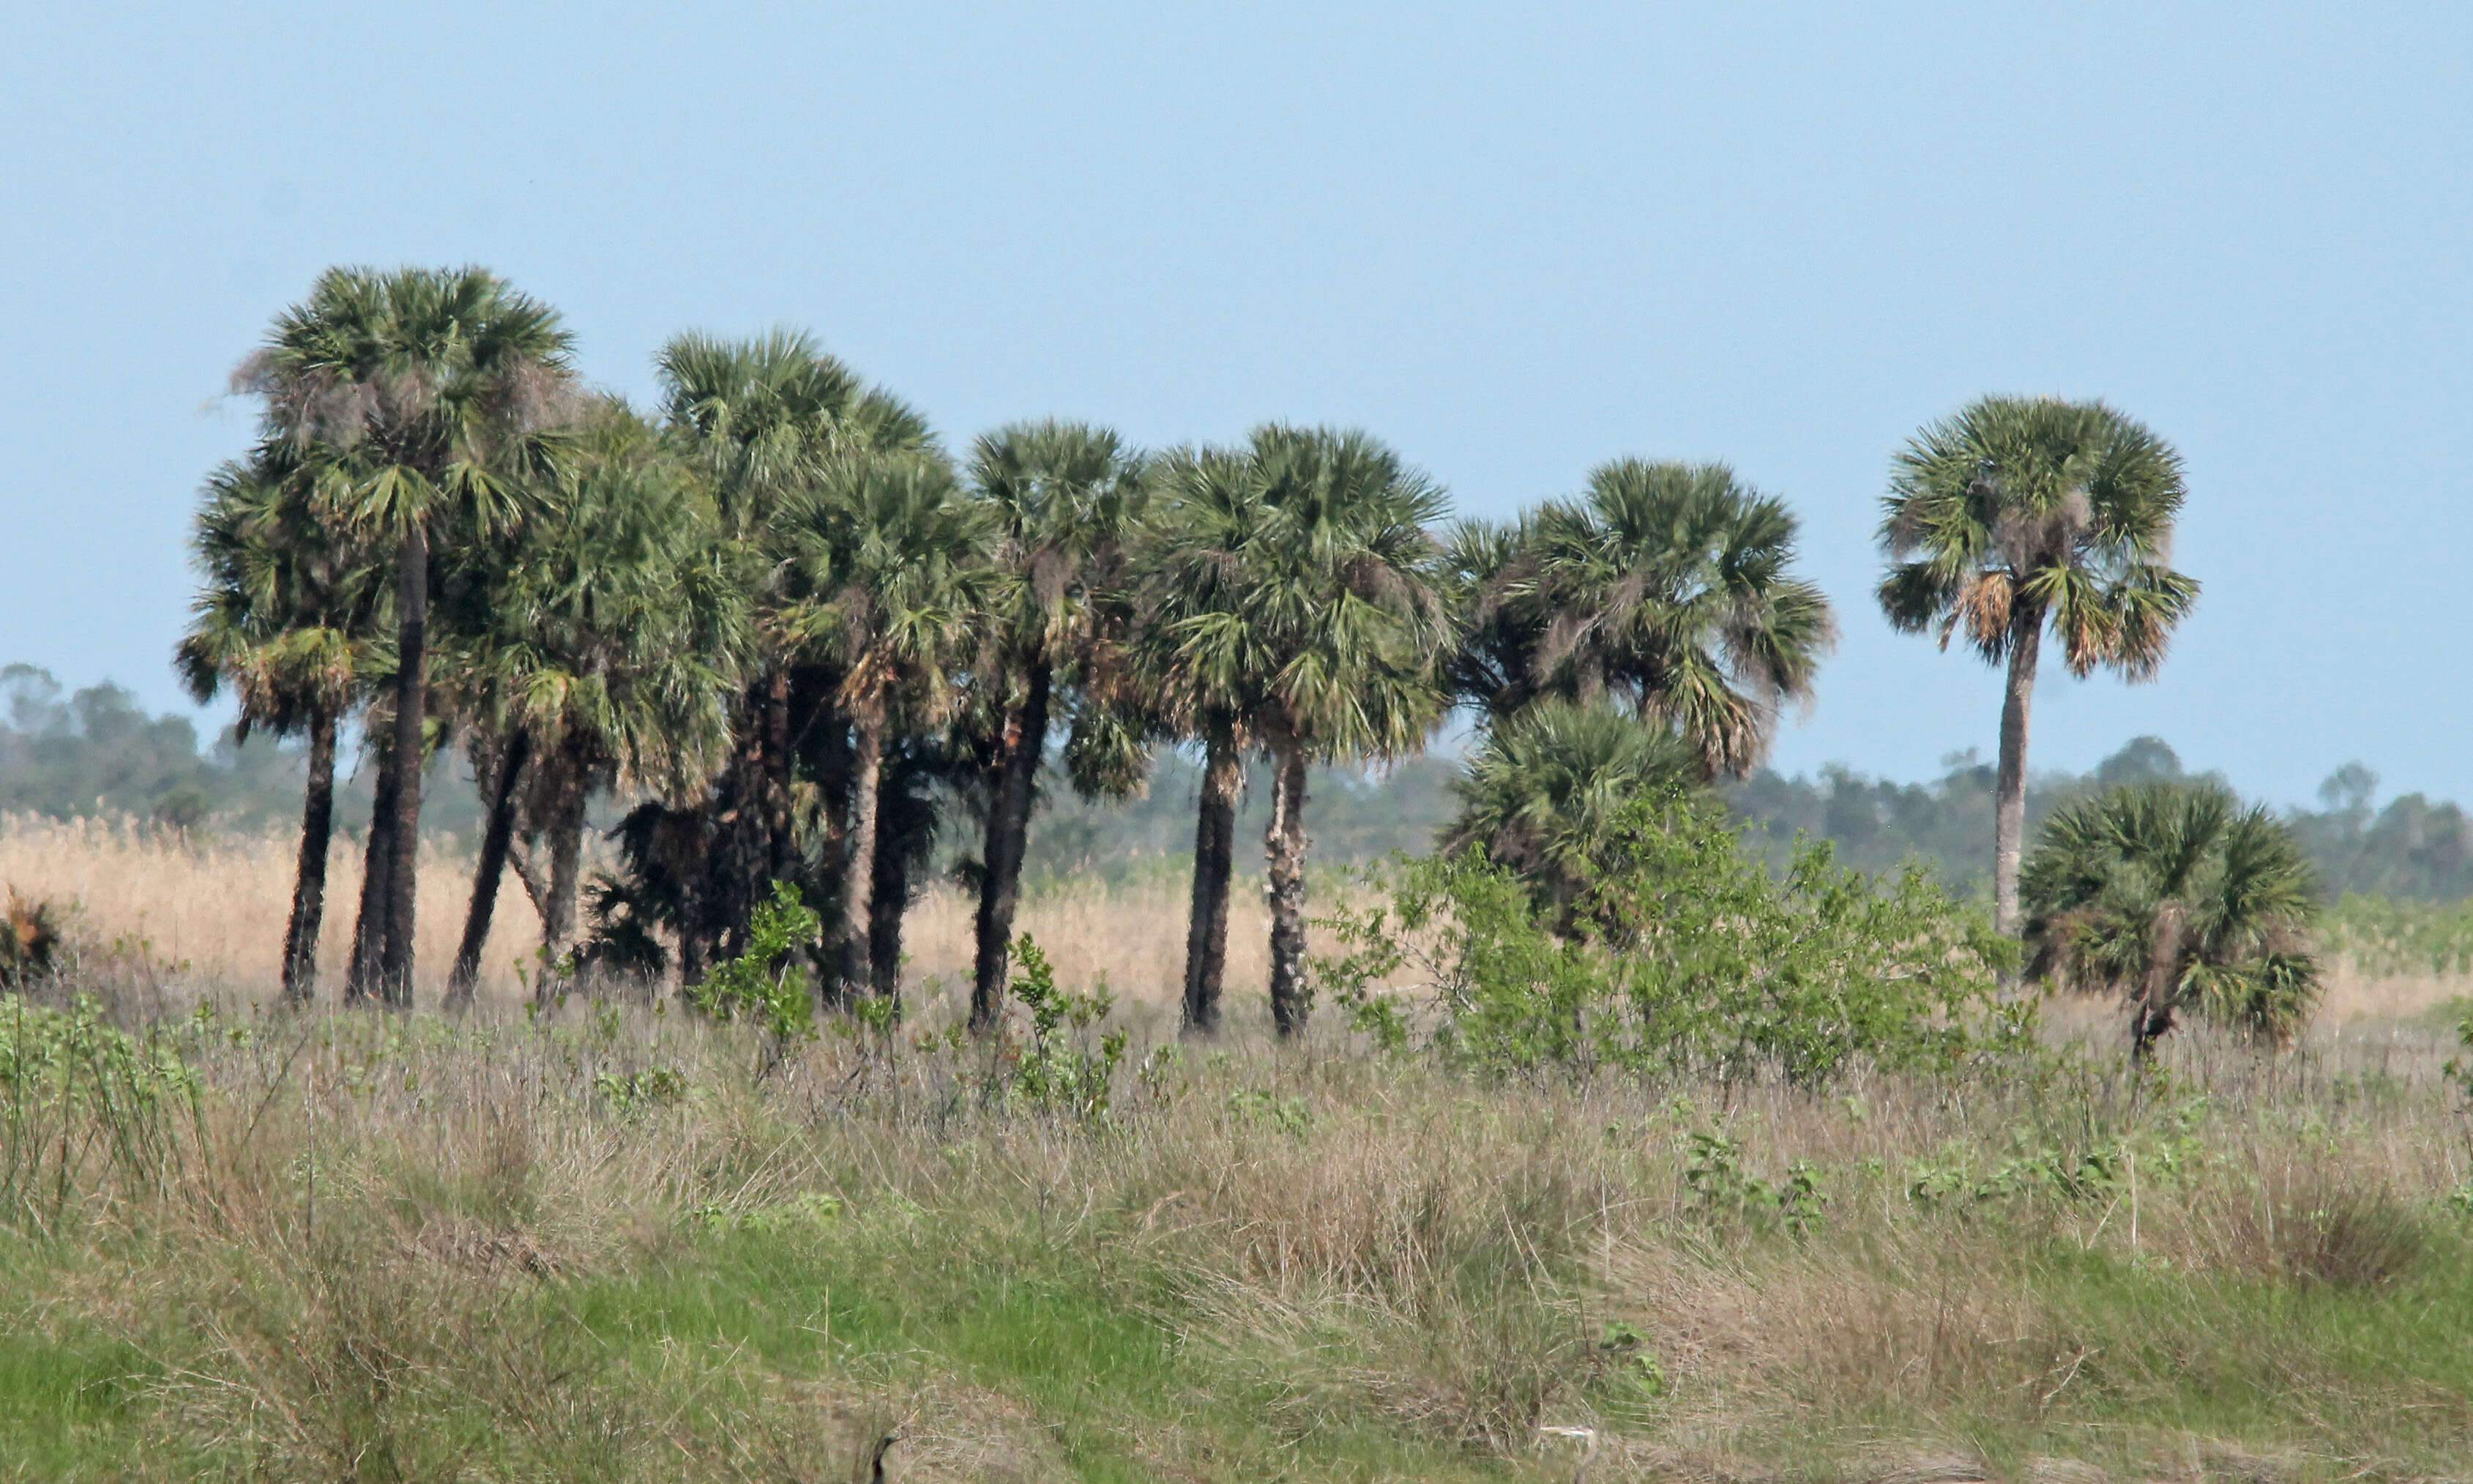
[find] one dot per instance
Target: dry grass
(219, 906)
(399, 1248)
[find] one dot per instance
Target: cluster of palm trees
(777, 613)
(803, 637)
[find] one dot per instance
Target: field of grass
(616, 1243)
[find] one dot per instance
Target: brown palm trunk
(377, 868)
(2009, 803)
(1008, 838)
(411, 704)
(495, 839)
(777, 774)
(1215, 856)
(888, 902)
(858, 876)
(2152, 1015)
(1283, 852)
(309, 887)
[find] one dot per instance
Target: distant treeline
(2411, 849)
(97, 752)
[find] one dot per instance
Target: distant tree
(287, 617)
(1064, 494)
(2176, 896)
(1665, 588)
(892, 554)
(766, 420)
(1296, 591)
(2017, 513)
(421, 404)
(600, 646)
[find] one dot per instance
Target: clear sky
(1512, 240)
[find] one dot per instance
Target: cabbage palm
(286, 617)
(605, 650)
(2175, 896)
(892, 554)
(1296, 587)
(1063, 496)
(767, 419)
(419, 402)
(1665, 588)
(1545, 791)
(2019, 512)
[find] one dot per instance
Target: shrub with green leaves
(1674, 950)
(1057, 1068)
(762, 985)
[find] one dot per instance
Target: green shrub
(1674, 950)
(761, 984)
(1057, 1068)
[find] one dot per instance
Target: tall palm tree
(601, 647)
(767, 419)
(1667, 588)
(421, 400)
(2022, 512)
(1297, 586)
(2173, 895)
(893, 556)
(287, 617)
(1062, 495)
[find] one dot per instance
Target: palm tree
(286, 617)
(1296, 586)
(2172, 894)
(420, 400)
(1545, 792)
(767, 419)
(1064, 494)
(2020, 511)
(893, 556)
(602, 649)
(1665, 588)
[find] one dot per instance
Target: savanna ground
(618, 1243)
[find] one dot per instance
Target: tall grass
(618, 1243)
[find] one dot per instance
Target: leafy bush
(1673, 949)
(1057, 1068)
(760, 984)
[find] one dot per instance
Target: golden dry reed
(218, 905)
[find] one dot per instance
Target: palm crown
(2018, 510)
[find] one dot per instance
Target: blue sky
(1512, 240)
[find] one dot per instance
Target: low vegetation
(611, 1244)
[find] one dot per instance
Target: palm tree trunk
(1283, 852)
(2152, 1015)
(776, 773)
(888, 902)
(1008, 839)
(566, 867)
(858, 876)
(309, 887)
(495, 841)
(411, 704)
(2009, 801)
(377, 868)
(1215, 856)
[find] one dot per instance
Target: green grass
(1315, 1265)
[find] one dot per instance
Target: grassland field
(616, 1242)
